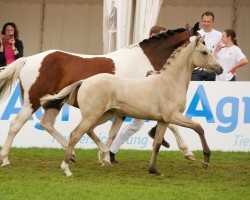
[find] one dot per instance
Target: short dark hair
(156, 29)
(208, 13)
(16, 33)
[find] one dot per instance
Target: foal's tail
(9, 76)
(66, 95)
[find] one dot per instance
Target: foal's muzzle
(219, 69)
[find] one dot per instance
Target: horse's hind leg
(180, 120)
(181, 143)
(103, 148)
(15, 126)
(160, 131)
(103, 154)
(75, 136)
(47, 123)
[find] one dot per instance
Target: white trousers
(134, 126)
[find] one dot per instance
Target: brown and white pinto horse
(50, 71)
(165, 94)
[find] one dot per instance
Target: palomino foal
(51, 71)
(165, 96)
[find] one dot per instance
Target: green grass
(35, 174)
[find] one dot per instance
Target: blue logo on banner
(229, 122)
(12, 108)
(206, 112)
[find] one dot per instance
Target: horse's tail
(66, 95)
(9, 76)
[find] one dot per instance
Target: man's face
(207, 23)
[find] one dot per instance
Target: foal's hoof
(5, 161)
(155, 172)
(65, 168)
(100, 157)
(73, 158)
(68, 174)
(106, 163)
(190, 157)
(6, 165)
(205, 164)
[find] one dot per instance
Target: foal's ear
(203, 39)
(200, 39)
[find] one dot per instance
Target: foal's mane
(173, 55)
(163, 35)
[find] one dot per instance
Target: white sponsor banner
(222, 109)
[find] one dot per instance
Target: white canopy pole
(146, 16)
(117, 18)
(236, 11)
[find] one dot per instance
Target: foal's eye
(204, 52)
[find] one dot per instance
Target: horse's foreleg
(181, 143)
(47, 123)
(160, 131)
(116, 125)
(15, 126)
(180, 120)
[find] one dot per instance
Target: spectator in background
(229, 55)
(212, 37)
(11, 48)
(155, 30)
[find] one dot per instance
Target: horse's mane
(163, 35)
(173, 55)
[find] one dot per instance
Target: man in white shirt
(212, 38)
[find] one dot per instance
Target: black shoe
(112, 158)
(151, 134)
(165, 143)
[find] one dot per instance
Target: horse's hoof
(106, 163)
(159, 174)
(65, 168)
(190, 157)
(205, 164)
(100, 157)
(5, 161)
(73, 158)
(155, 172)
(69, 174)
(5, 165)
